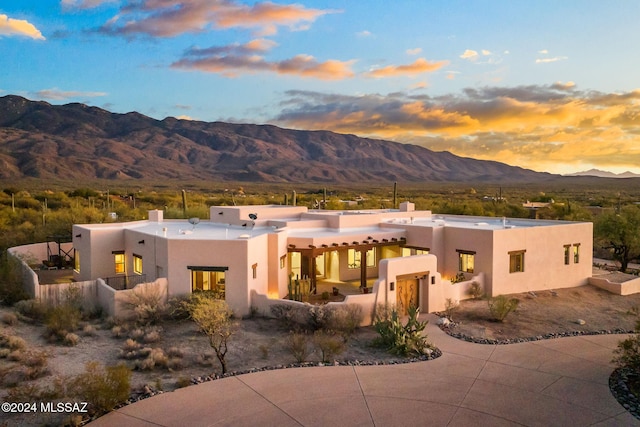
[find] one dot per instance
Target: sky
(546, 85)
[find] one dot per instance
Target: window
(576, 253)
(283, 261)
(254, 267)
(76, 260)
(354, 258)
(422, 251)
(137, 264)
(209, 279)
(413, 251)
(466, 261)
(516, 262)
(567, 251)
(119, 261)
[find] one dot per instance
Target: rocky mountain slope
(79, 142)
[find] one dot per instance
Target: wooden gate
(407, 294)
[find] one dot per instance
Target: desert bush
(15, 343)
(71, 339)
(183, 382)
(11, 290)
(35, 359)
(175, 352)
(501, 306)
(102, 387)
(136, 333)
(89, 331)
(475, 290)
(328, 344)
(61, 320)
(175, 364)
(298, 345)
(118, 331)
(4, 352)
(450, 306)
(30, 392)
(345, 319)
(156, 358)
(9, 319)
(151, 337)
(291, 317)
(130, 345)
(15, 355)
(627, 354)
(397, 338)
(318, 317)
(32, 309)
(147, 305)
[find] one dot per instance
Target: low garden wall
(627, 287)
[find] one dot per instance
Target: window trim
(123, 263)
(462, 252)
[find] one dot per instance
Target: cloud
(543, 51)
(547, 60)
(535, 126)
(364, 33)
(486, 52)
(162, 18)
(420, 66)
(83, 4)
(184, 117)
(233, 60)
(415, 51)
(18, 27)
(469, 54)
(60, 95)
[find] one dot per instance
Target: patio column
(363, 268)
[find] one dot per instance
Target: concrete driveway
(555, 382)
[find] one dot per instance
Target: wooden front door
(407, 295)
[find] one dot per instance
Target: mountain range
(605, 174)
(80, 142)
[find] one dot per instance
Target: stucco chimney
(156, 215)
(407, 207)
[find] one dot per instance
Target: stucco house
(398, 256)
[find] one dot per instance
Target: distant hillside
(78, 142)
(605, 174)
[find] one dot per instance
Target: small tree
(213, 317)
(102, 387)
(620, 234)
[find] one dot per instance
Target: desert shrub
(147, 305)
(264, 350)
(118, 331)
(345, 319)
(178, 307)
(627, 354)
(9, 319)
(61, 320)
(4, 352)
(102, 387)
(15, 343)
(130, 345)
(397, 338)
(15, 355)
(151, 337)
(89, 331)
(450, 306)
(175, 352)
(35, 359)
(30, 392)
(136, 333)
(11, 290)
(318, 317)
(475, 290)
(298, 345)
(175, 364)
(290, 316)
(156, 358)
(32, 309)
(501, 306)
(183, 382)
(204, 359)
(71, 339)
(328, 344)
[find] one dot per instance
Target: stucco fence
(618, 287)
(96, 294)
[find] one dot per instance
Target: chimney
(407, 207)
(156, 215)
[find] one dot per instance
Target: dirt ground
(544, 312)
(260, 342)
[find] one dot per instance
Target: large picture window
(466, 261)
(209, 279)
